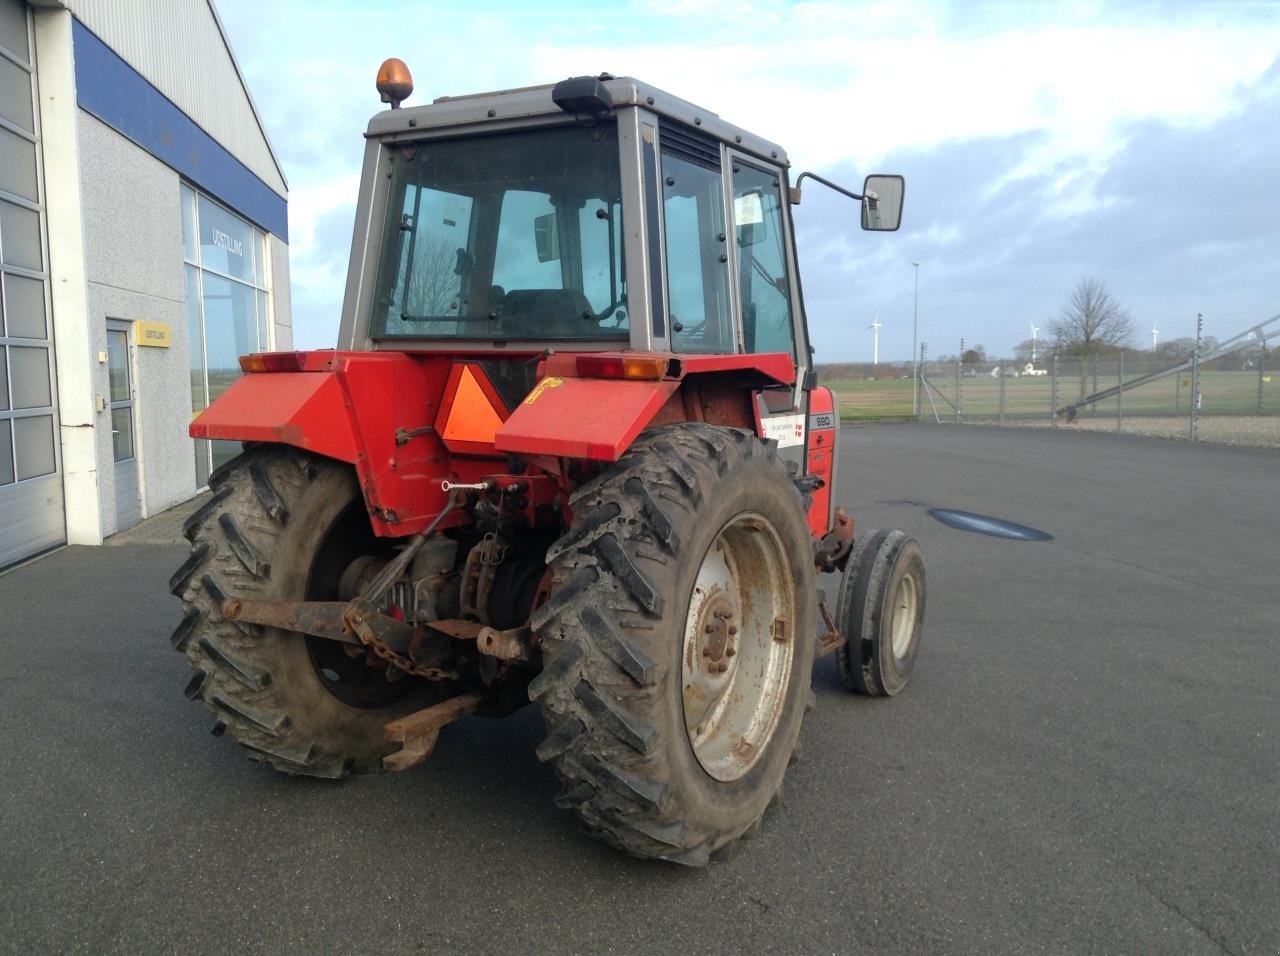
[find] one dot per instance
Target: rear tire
(697, 531)
(880, 610)
(283, 525)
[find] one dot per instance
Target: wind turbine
(875, 324)
(1034, 330)
(1155, 337)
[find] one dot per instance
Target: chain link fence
(1233, 398)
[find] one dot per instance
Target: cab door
(764, 281)
(803, 420)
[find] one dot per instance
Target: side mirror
(546, 237)
(882, 203)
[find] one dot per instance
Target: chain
(382, 649)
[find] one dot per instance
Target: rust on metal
(405, 435)
(717, 617)
(844, 525)
(418, 732)
(317, 618)
(832, 639)
(509, 645)
(407, 647)
(781, 630)
(832, 552)
(461, 630)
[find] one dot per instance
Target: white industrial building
(143, 249)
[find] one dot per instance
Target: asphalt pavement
(1087, 758)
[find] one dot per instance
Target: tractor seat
(557, 313)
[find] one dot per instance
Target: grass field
(1222, 393)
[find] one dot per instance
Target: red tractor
(570, 450)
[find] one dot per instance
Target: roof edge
(235, 64)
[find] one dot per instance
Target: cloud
(1179, 221)
(1041, 142)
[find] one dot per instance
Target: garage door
(31, 506)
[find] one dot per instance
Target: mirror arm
(795, 188)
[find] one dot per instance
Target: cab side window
(764, 284)
(697, 261)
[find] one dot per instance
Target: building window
(228, 307)
(28, 423)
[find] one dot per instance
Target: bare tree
(1092, 322)
(433, 281)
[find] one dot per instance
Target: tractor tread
(564, 596)
(181, 635)
(236, 667)
(178, 581)
(242, 548)
(635, 733)
(558, 671)
(201, 514)
(267, 495)
(628, 657)
(566, 735)
(627, 574)
(604, 641)
(251, 676)
(584, 530)
(659, 523)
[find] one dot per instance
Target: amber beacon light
(394, 82)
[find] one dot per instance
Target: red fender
(304, 409)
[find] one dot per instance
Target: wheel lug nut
(729, 652)
(710, 628)
(733, 629)
(706, 652)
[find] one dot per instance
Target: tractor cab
(596, 214)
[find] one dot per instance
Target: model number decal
(786, 430)
(550, 381)
(822, 420)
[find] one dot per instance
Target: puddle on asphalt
(985, 524)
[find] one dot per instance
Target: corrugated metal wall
(182, 53)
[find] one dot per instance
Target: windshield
(510, 236)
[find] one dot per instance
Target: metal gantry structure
(1259, 332)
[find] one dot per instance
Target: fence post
(1262, 361)
(1120, 395)
(924, 349)
(1093, 406)
(1053, 393)
(1195, 378)
(1003, 376)
(959, 384)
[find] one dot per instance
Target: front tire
(880, 610)
(678, 642)
(282, 525)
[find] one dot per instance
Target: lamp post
(915, 356)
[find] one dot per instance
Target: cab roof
(516, 107)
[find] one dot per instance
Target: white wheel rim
(905, 605)
(739, 641)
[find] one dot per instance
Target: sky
(1043, 143)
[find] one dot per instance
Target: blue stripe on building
(111, 90)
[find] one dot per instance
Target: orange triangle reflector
(472, 417)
